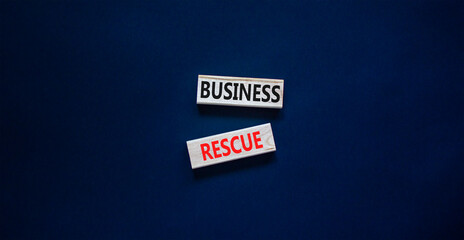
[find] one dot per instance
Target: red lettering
(215, 149)
(249, 140)
(257, 139)
(205, 151)
(225, 147)
(232, 140)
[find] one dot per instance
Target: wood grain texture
(262, 141)
(269, 92)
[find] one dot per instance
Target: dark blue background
(98, 100)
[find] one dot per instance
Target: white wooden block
(240, 91)
(231, 146)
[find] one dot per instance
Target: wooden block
(240, 91)
(231, 146)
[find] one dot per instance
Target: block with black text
(240, 91)
(231, 146)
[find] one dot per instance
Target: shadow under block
(231, 146)
(240, 91)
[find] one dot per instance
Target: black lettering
(235, 91)
(227, 90)
(243, 90)
(268, 96)
(256, 92)
(275, 93)
(213, 91)
(204, 88)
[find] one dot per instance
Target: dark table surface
(98, 100)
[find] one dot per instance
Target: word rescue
(231, 146)
(239, 91)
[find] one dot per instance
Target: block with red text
(240, 91)
(230, 146)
